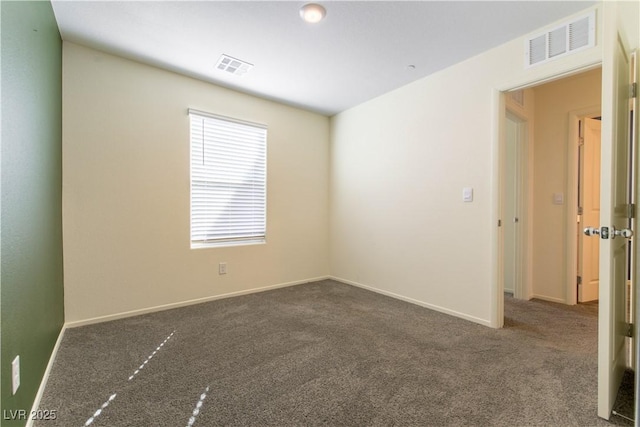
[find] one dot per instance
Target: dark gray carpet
(326, 353)
(624, 407)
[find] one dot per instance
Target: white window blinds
(228, 180)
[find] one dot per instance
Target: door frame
(522, 287)
(611, 23)
(499, 117)
(572, 196)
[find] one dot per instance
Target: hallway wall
(554, 101)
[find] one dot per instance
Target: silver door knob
(625, 232)
(591, 231)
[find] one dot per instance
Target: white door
(590, 197)
(511, 206)
(614, 212)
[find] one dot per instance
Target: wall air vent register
(563, 40)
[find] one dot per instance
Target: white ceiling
(361, 50)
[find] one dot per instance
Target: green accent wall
(31, 276)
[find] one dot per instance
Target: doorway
(618, 85)
(543, 181)
(588, 206)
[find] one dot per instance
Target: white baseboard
(132, 313)
(444, 310)
(45, 377)
(551, 299)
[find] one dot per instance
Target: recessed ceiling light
(312, 13)
(411, 67)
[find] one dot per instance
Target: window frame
(259, 237)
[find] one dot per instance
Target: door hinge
(579, 280)
(633, 90)
(580, 132)
(631, 210)
(499, 223)
(628, 330)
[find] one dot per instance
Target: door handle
(625, 232)
(591, 231)
(606, 233)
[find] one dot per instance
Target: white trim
(474, 319)
(530, 83)
(125, 314)
(209, 244)
(497, 145)
(45, 376)
(550, 299)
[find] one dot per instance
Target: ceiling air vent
(562, 40)
(233, 65)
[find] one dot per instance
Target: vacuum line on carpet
(99, 411)
(196, 411)
(113, 396)
(137, 371)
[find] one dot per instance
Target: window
(228, 181)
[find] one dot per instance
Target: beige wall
(398, 166)
(126, 190)
(374, 201)
(554, 102)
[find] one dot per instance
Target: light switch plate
(467, 194)
(558, 198)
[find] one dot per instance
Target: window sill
(224, 244)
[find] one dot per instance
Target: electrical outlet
(222, 268)
(15, 374)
